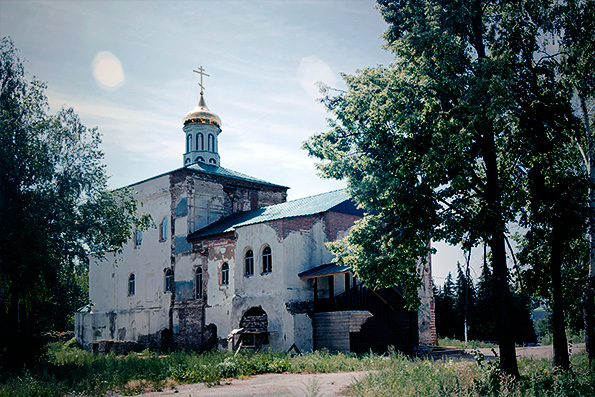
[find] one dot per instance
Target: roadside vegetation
(404, 377)
(69, 370)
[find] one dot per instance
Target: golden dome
(202, 115)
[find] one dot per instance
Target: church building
(231, 264)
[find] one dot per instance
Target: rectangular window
(267, 260)
(225, 274)
(249, 263)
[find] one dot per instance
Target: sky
(127, 68)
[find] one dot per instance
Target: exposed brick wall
(228, 195)
(190, 335)
(336, 223)
(302, 224)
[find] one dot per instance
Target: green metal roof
(214, 170)
(337, 200)
(324, 270)
(226, 172)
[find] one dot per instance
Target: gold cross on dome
(201, 71)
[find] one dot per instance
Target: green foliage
(450, 302)
(482, 378)
(471, 129)
(72, 371)
(55, 210)
(459, 344)
(69, 370)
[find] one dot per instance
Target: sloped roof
(226, 172)
(337, 200)
(215, 170)
(324, 270)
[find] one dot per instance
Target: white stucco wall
(299, 250)
(115, 313)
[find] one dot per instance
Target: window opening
(169, 280)
(199, 158)
(163, 230)
(200, 142)
(189, 143)
(249, 263)
(138, 238)
(225, 274)
(211, 143)
(212, 161)
(131, 285)
(267, 260)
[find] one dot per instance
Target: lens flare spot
(312, 70)
(108, 71)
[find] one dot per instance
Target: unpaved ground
(272, 385)
(535, 351)
(314, 384)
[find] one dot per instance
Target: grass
(68, 370)
(405, 377)
(459, 344)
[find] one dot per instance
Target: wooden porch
(361, 317)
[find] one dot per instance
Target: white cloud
(126, 128)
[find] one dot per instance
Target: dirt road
(271, 385)
(314, 384)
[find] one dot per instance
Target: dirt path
(314, 384)
(271, 385)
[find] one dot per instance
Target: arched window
(188, 142)
(224, 274)
(212, 161)
(199, 158)
(200, 142)
(198, 282)
(163, 230)
(169, 280)
(187, 161)
(131, 285)
(138, 238)
(267, 260)
(211, 143)
(249, 263)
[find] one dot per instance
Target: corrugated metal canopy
(324, 270)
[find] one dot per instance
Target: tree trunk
(588, 294)
(500, 288)
(501, 293)
(558, 324)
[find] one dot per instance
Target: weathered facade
(230, 263)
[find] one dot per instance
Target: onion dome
(202, 115)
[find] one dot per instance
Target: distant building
(231, 263)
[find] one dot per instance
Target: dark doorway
(254, 324)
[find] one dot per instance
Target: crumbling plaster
(297, 244)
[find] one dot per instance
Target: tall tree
(485, 323)
(54, 210)
(465, 303)
(435, 145)
(576, 27)
(446, 324)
